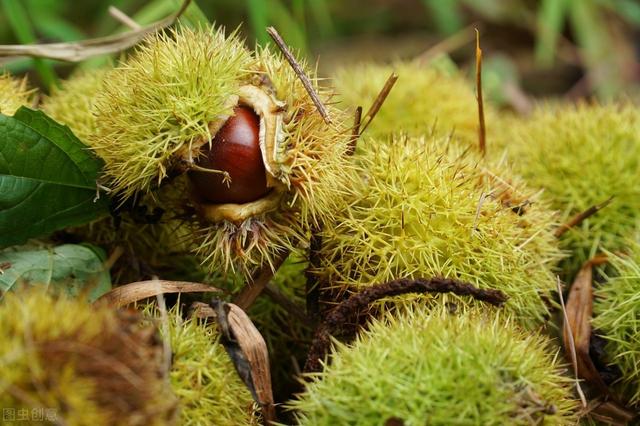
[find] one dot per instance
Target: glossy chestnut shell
(235, 149)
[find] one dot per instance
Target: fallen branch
(352, 307)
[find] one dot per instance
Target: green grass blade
(551, 18)
(596, 46)
(287, 26)
(21, 25)
(445, 15)
(154, 11)
(259, 19)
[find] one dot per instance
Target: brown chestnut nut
(235, 149)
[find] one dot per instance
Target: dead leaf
(249, 353)
(577, 325)
(129, 293)
(578, 318)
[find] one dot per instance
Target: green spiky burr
(73, 103)
(423, 207)
(162, 100)
(159, 118)
(311, 169)
(202, 376)
(422, 365)
(80, 364)
(617, 319)
(581, 155)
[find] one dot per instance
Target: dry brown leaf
(578, 311)
(255, 349)
(129, 293)
(248, 351)
(80, 50)
(578, 318)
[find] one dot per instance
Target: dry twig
(482, 131)
(80, 50)
(379, 101)
(258, 282)
(355, 132)
(580, 217)
(301, 75)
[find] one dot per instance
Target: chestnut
(235, 149)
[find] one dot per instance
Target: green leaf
(72, 269)
(47, 178)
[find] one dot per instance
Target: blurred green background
(567, 48)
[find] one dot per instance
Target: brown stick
(258, 282)
(343, 313)
(482, 131)
(301, 75)
(355, 133)
(580, 217)
(379, 101)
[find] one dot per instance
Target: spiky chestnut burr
(423, 207)
(240, 221)
(14, 93)
(88, 364)
(73, 102)
(425, 365)
(202, 375)
(306, 168)
(581, 155)
(617, 317)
